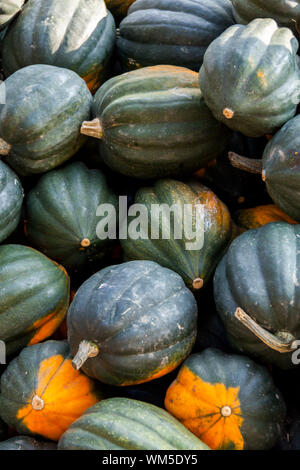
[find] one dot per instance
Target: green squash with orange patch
(42, 394)
(131, 323)
(34, 296)
(228, 401)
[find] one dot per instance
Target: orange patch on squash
(45, 327)
(156, 375)
(198, 405)
(66, 394)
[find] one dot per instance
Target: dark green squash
(131, 323)
(125, 424)
(153, 122)
(257, 293)
(34, 296)
(285, 12)
(62, 215)
(77, 35)
(11, 199)
(26, 443)
(279, 167)
(250, 78)
(42, 394)
(175, 32)
(118, 8)
(40, 121)
(9, 9)
(228, 401)
(194, 259)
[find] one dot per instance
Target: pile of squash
(139, 343)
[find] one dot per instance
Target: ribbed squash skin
(42, 394)
(209, 381)
(256, 217)
(41, 119)
(250, 78)
(175, 32)
(26, 443)
(77, 35)
(34, 296)
(155, 123)
(8, 10)
(260, 274)
(125, 424)
(173, 253)
(282, 11)
(281, 166)
(118, 8)
(61, 215)
(11, 199)
(142, 318)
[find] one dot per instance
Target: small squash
(34, 296)
(42, 394)
(175, 32)
(125, 424)
(250, 78)
(285, 12)
(26, 443)
(256, 217)
(257, 293)
(11, 200)
(9, 9)
(228, 401)
(79, 36)
(40, 121)
(153, 122)
(194, 259)
(62, 215)
(131, 323)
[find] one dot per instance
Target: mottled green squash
(11, 199)
(193, 257)
(250, 78)
(285, 12)
(26, 443)
(228, 401)
(153, 122)
(257, 293)
(175, 32)
(131, 323)
(8, 11)
(62, 215)
(77, 35)
(41, 118)
(34, 296)
(125, 424)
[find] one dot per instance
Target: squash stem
(197, 283)
(283, 342)
(86, 350)
(251, 165)
(4, 147)
(92, 128)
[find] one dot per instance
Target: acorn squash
(256, 217)
(153, 122)
(9, 9)
(40, 121)
(11, 200)
(62, 215)
(228, 401)
(42, 394)
(257, 293)
(125, 424)
(175, 32)
(26, 443)
(250, 78)
(34, 296)
(79, 36)
(193, 257)
(131, 323)
(284, 12)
